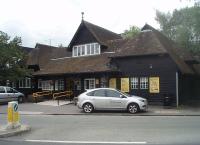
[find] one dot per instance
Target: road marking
(84, 142)
(29, 112)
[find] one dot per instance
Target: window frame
(134, 83)
(86, 49)
(144, 83)
(89, 79)
(25, 83)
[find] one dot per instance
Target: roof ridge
(100, 27)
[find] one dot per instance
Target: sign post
(13, 115)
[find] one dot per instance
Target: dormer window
(86, 49)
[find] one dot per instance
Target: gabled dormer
(90, 39)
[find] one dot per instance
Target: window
(9, 90)
(92, 49)
(89, 84)
(47, 85)
(25, 83)
(97, 48)
(111, 93)
(86, 49)
(79, 51)
(75, 51)
(2, 90)
(144, 83)
(39, 84)
(82, 50)
(100, 93)
(134, 83)
(59, 85)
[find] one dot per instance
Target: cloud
(42, 20)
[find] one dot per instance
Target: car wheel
(88, 108)
(21, 99)
(133, 108)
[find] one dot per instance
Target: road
(101, 129)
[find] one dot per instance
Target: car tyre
(133, 108)
(21, 99)
(88, 107)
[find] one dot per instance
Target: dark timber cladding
(149, 65)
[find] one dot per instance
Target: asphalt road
(95, 129)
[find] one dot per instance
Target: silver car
(9, 94)
(110, 99)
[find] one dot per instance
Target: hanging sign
(154, 84)
(125, 84)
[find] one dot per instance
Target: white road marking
(84, 142)
(29, 112)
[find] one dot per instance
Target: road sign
(15, 107)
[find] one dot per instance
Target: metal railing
(66, 94)
(41, 94)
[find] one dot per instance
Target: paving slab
(67, 108)
(5, 132)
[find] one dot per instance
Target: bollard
(13, 115)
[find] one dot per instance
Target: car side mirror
(122, 96)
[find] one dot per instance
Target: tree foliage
(12, 59)
(182, 26)
(132, 32)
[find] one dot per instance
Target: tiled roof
(41, 54)
(101, 35)
(71, 65)
(150, 41)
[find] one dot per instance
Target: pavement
(68, 108)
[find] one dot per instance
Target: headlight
(141, 100)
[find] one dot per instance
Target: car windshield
(123, 93)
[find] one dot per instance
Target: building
(150, 65)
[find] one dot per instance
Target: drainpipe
(177, 94)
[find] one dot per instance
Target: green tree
(182, 26)
(12, 59)
(132, 32)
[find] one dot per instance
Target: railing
(66, 94)
(41, 94)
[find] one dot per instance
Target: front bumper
(79, 105)
(144, 106)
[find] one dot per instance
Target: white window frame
(91, 86)
(134, 82)
(46, 85)
(25, 83)
(144, 83)
(59, 85)
(78, 49)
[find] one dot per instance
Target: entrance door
(69, 85)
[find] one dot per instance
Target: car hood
(137, 97)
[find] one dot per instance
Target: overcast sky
(57, 20)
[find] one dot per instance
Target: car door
(3, 95)
(99, 99)
(10, 94)
(117, 100)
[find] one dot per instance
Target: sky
(54, 22)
